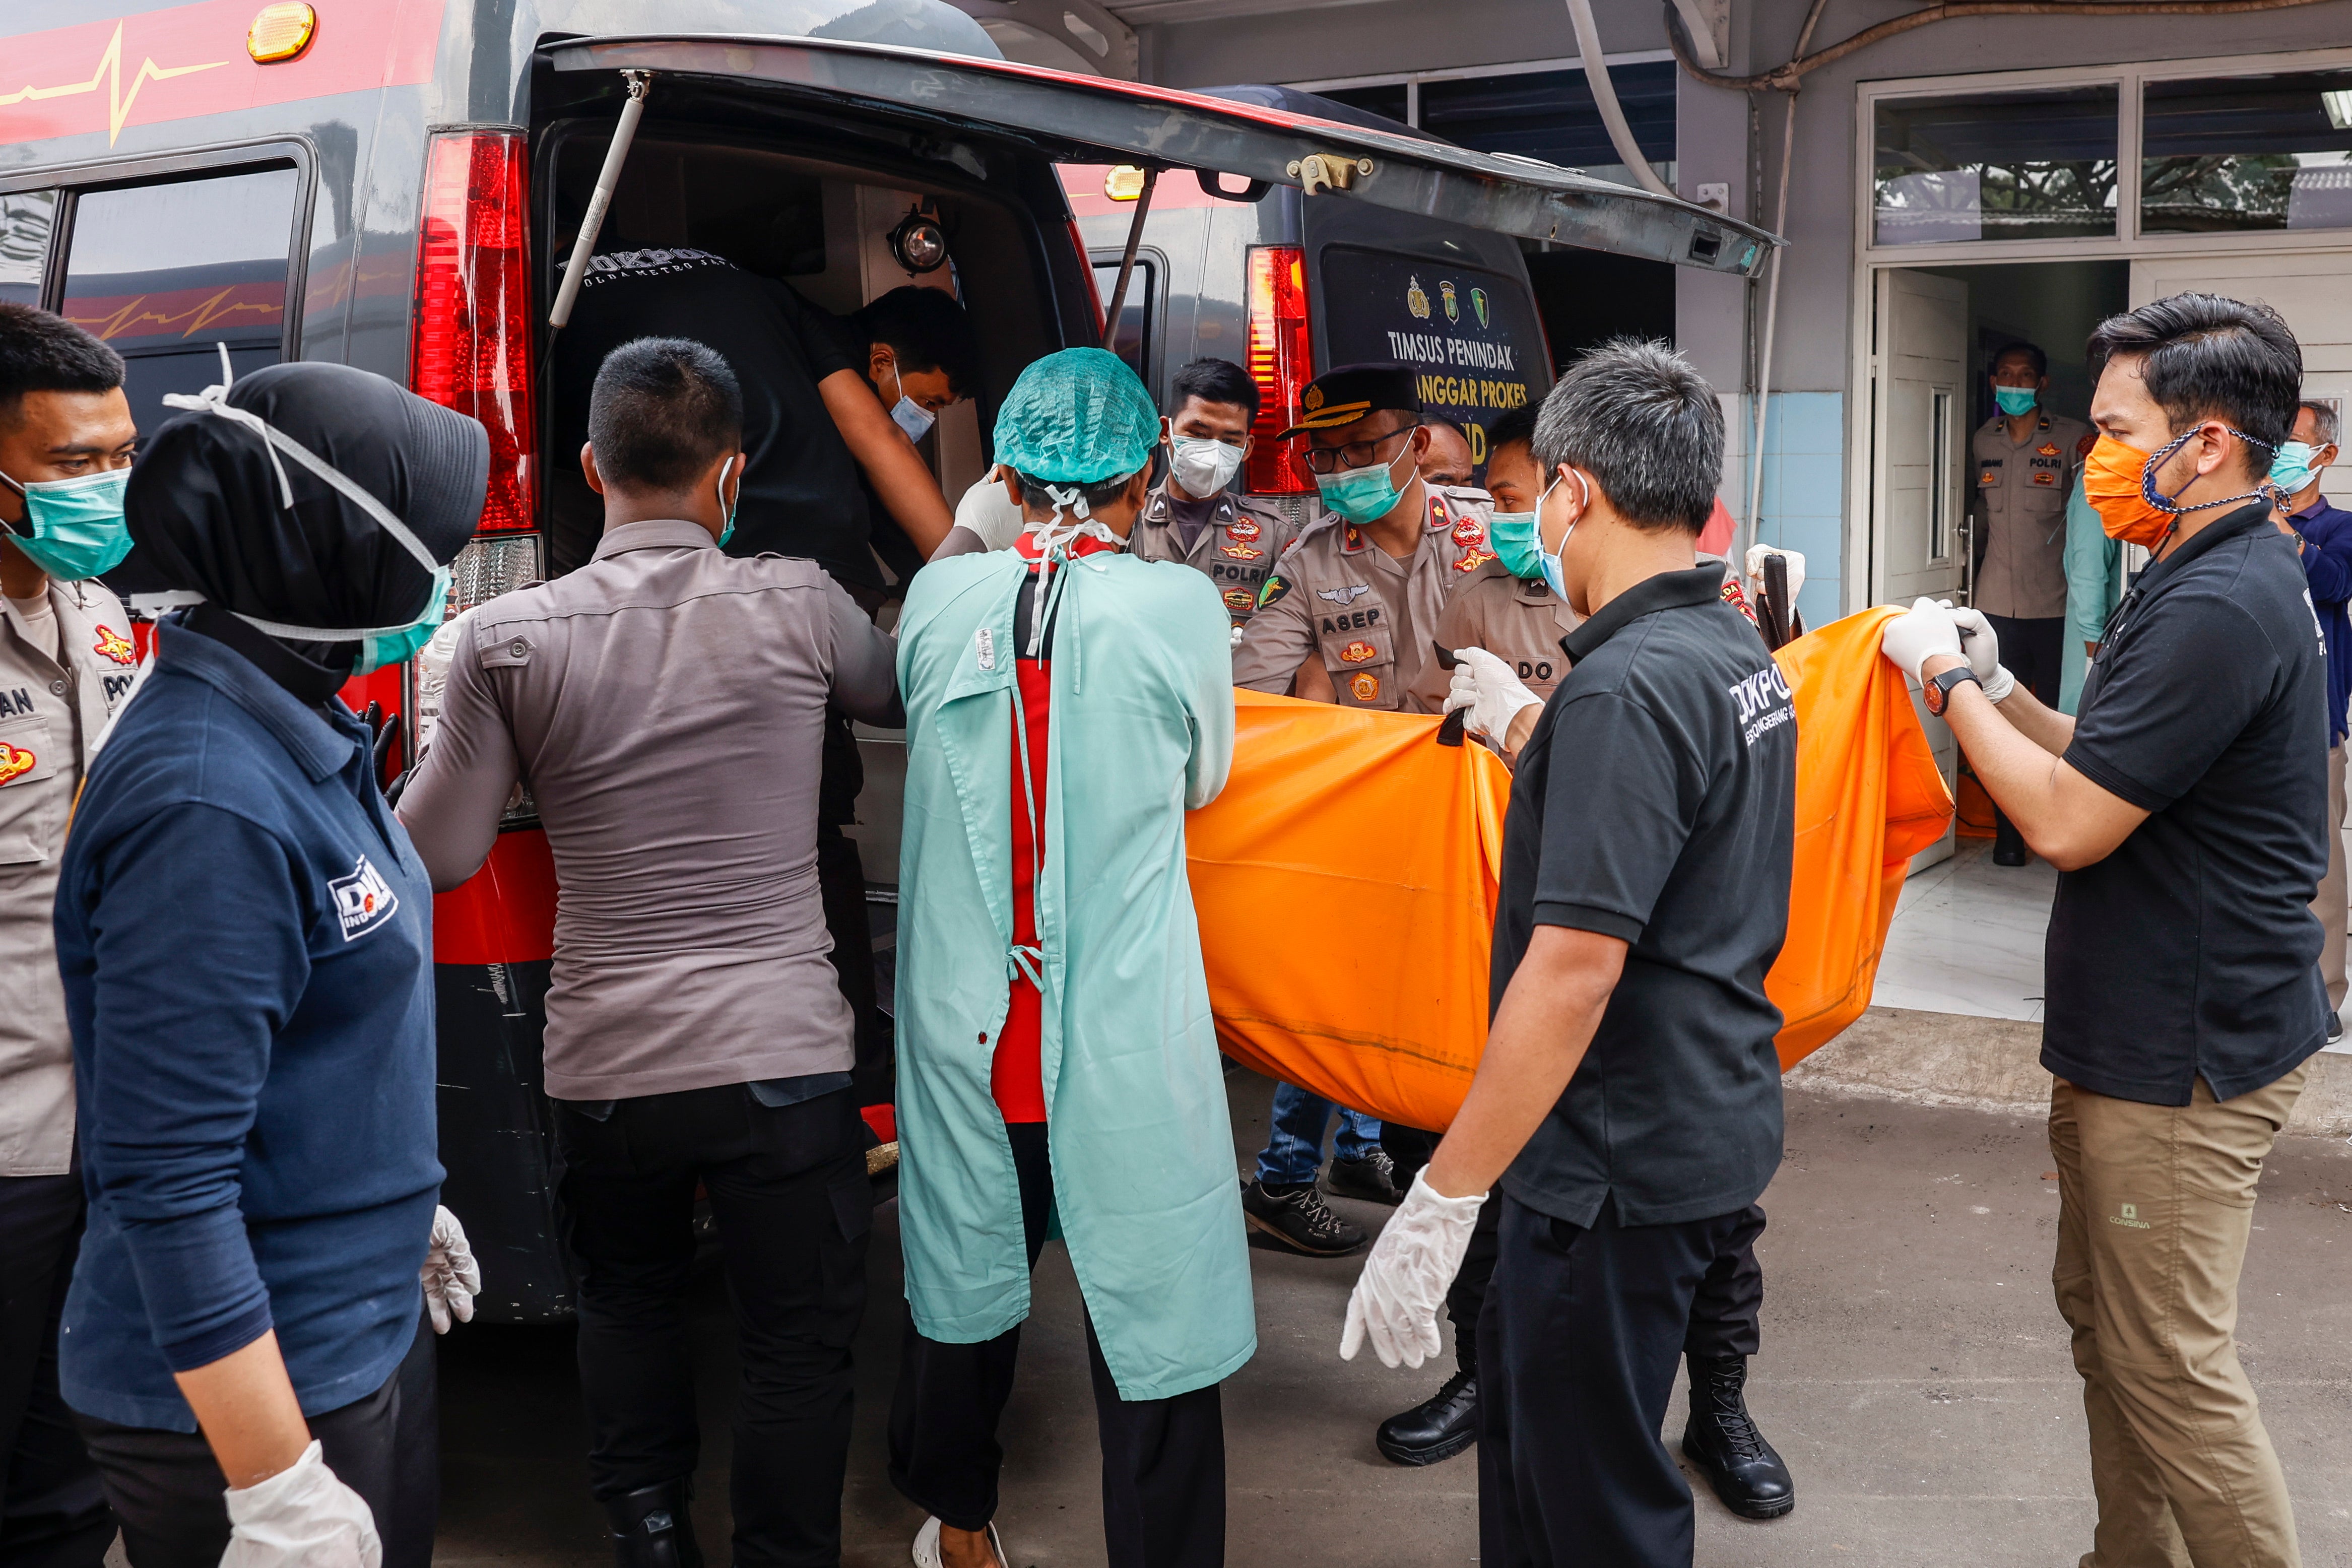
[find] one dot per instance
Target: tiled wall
(1803, 503)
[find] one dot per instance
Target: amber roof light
(281, 32)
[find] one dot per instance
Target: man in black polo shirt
(1629, 1100)
(2183, 810)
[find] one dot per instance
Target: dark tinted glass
(1386, 101)
(1549, 114)
(1129, 343)
(2011, 165)
(166, 272)
(2231, 154)
(26, 219)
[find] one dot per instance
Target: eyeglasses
(1354, 455)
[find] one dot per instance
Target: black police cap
(1347, 393)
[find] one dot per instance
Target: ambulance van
(397, 184)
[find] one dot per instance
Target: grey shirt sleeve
(864, 663)
(451, 808)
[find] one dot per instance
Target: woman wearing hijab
(244, 933)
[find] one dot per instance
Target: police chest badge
(1243, 531)
(1467, 532)
(364, 900)
(113, 644)
(1364, 687)
(1240, 601)
(1239, 551)
(1359, 652)
(2047, 449)
(1471, 560)
(15, 761)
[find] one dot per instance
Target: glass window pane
(26, 219)
(164, 273)
(1386, 101)
(2011, 165)
(2234, 154)
(1550, 115)
(1128, 341)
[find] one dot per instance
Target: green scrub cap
(1076, 417)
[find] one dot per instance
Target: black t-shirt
(2191, 950)
(1656, 801)
(802, 493)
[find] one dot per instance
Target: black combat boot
(653, 1528)
(1437, 1429)
(1723, 1442)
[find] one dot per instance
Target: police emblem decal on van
(364, 900)
(1453, 305)
(1414, 299)
(1478, 305)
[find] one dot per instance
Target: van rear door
(1091, 120)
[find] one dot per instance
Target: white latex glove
(1925, 630)
(1756, 558)
(1982, 646)
(1407, 1273)
(989, 512)
(450, 1276)
(302, 1517)
(1491, 689)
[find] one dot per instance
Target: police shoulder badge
(1272, 588)
(1359, 652)
(113, 644)
(1364, 685)
(15, 761)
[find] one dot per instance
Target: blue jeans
(1295, 1153)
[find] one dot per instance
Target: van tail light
(1280, 365)
(472, 347)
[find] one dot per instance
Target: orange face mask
(2120, 482)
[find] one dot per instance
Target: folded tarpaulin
(1346, 879)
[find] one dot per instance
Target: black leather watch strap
(1938, 689)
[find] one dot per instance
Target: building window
(2238, 154)
(1550, 115)
(1995, 166)
(1389, 99)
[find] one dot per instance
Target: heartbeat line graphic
(110, 71)
(134, 319)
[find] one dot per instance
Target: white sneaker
(927, 1546)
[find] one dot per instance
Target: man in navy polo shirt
(1629, 1099)
(2183, 810)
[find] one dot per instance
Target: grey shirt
(665, 705)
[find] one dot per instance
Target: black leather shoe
(1298, 1220)
(1437, 1429)
(2008, 847)
(1723, 1442)
(653, 1528)
(1371, 1178)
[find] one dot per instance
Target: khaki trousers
(2154, 1204)
(2329, 906)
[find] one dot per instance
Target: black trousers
(1583, 1332)
(53, 1513)
(841, 879)
(1727, 1312)
(788, 1189)
(2033, 650)
(1163, 1475)
(166, 1486)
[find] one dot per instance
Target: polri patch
(15, 761)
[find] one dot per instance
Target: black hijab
(208, 514)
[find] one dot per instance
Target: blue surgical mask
(2293, 469)
(909, 415)
(73, 528)
(1363, 495)
(2015, 400)
(1516, 543)
(1550, 559)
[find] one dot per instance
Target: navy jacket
(245, 940)
(2326, 534)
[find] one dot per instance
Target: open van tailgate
(1092, 119)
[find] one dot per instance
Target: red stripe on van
(97, 78)
(506, 912)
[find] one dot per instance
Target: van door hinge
(1327, 171)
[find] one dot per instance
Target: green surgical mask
(2014, 400)
(73, 528)
(1516, 543)
(1363, 495)
(2292, 469)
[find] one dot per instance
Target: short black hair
(662, 411)
(2020, 346)
(2207, 357)
(1645, 426)
(1215, 381)
(1517, 427)
(927, 331)
(1440, 422)
(43, 352)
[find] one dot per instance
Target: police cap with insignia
(1347, 393)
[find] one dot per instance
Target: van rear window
(163, 272)
(26, 219)
(1473, 334)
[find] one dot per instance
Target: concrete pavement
(1915, 1374)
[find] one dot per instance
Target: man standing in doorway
(2182, 809)
(2326, 534)
(2026, 459)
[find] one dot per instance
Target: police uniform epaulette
(1329, 519)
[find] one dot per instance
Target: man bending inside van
(666, 703)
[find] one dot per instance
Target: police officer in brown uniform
(2026, 461)
(1350, 610)
(1191, 516)
(1519, 619)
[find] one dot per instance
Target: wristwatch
(1938, 692)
